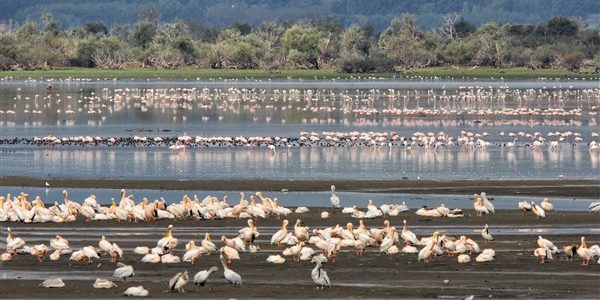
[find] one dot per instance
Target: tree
(243, 28)
(150, 15)
(302, 46)
(84, 56)
(95, 28)
(401, 42)
(143, 34)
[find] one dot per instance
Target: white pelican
(53, 283)
(279, 235)
(487, 236)
(301, 210)
(123, 271)
(487, 203)
(335, 201)
(348, 210)
(208, 244)
(115, 252)
(408, 236)
(136, 291)
(151, 258)
(78, 255)
(537, 210)
(193, 252)
(427, 251)
(480, 208)
(318, 275)
(570, 251)
(231, 276)
(464, 258)
(275, 259)
(485, 256)
(201, 277)
(91, 252)
(301, 231)
(56, 255)
(178, 281)
(387, 242)
(584, 252)
(544, 243)
(542, 253)
(295, 251)
(59, 243)
(39, 251)
(392, 250)
(6, 256)
(546, 205)
(408, 249)
(169, 259)
(324, 215)
(248, 234)
(230, 253)
(253, 248)
(103, 284)
(167, 242)
(104, 245)
(13, 243)
(143, 250)
(524, 206)
(306, 253)
(235, 243)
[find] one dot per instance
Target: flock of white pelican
(317, 245)
(302, 243)
(20, 209)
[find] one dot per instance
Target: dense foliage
(559, 42)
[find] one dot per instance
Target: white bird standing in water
(178, 281)
(123, 271)
(319, 276)
(487, 236)
(487, 203)
(231, 276)
(335, 201)
(201, 277)
(537, 210)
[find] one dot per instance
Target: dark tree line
(559, 42)
(378, 13)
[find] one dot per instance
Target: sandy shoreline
(515, 273)
(584, 188)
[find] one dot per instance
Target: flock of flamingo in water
(297, 242)
(464, 102)
(466, 140)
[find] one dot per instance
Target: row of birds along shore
(20, 209)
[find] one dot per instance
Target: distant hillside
(376, 13)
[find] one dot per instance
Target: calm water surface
(285, 108)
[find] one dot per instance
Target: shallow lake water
(127, 108)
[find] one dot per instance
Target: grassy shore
(194, 73)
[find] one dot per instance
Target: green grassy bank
(193, 74)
